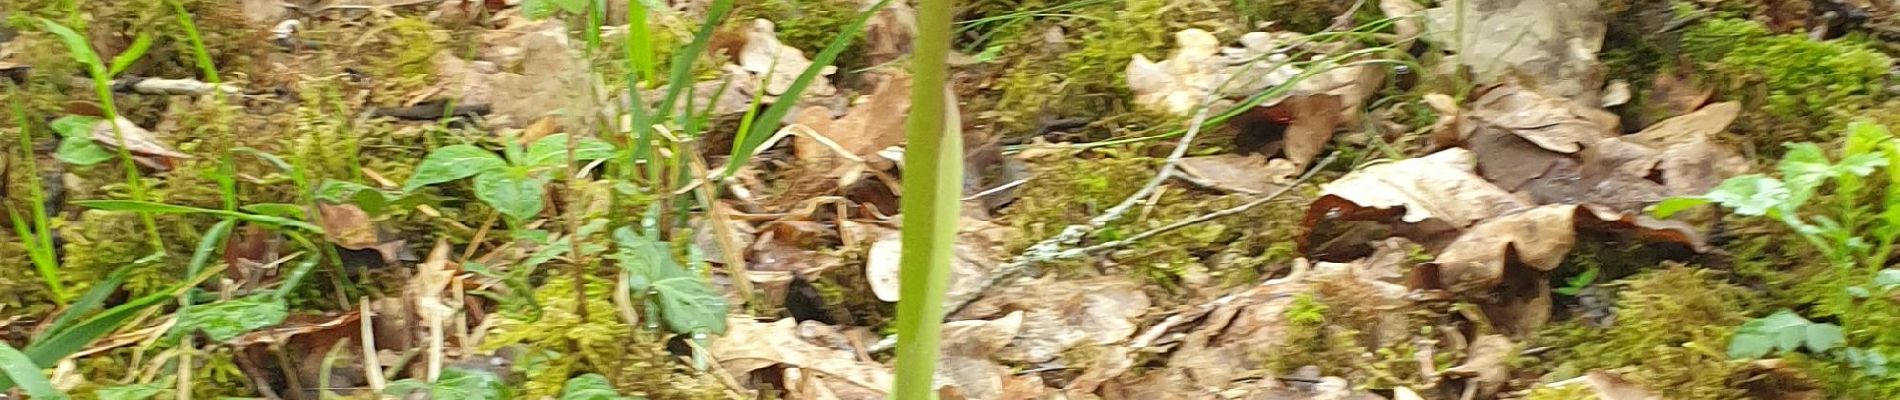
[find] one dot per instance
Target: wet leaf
(453, 162)
(226, 320)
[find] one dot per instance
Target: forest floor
(1164, 199)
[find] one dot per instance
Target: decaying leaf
(1240, 173)
(553, 78)
(349, 227)
(779, 64)
(1066, 314)
(888, 35)
(1554, 43)
(966, 349)
(1427, 195)
(1553, 123)
(138, 140)
(1609, 386)
(847, 143)
(750, 345)
(1486, 366)
(977, 243)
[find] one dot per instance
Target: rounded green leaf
(453, 162)
(81, 150)
(552, 150)
(518, 198)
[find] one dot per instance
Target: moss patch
(1671, 330)
(1797, 89)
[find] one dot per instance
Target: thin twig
(1214, 215)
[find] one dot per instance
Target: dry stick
(372, 367)
(1051, 249)
(722, 227)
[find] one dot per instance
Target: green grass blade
(60, 344)
(933, 185)
(91, 301)
(197, 45)
(24, 371)
(681, 77)
(768, 121)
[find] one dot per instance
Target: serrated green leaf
(1752, 195)
(80, 150)
(22, 370)
(451, 163)
(130, 392)
(590, 387)
(225, 320)
(552, 150)
(1860, 165)
(518, 198)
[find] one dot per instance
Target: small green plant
(102, 74)
(34, 228)
(1576, 284)
(591, 387)
(684, 300)
(513, 185)
(1783, 332)
(23, 371)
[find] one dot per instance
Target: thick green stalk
(933, 183)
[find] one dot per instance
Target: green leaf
(1864, 137)
(54, 346)
(687, 302)
(1888, 278)
(1824, 337)
(131, 54)
(453, 162)
(79, 150)
(275, 209)
(455, 383)
(1752, 195)
(1749, 346)
(76, 44)
(768, 121)
(552, 150)
(1670, 206)
(162, 208)
(89, 302)
(590, 387)
(518, 198)
(21, 369)
(130, 392)
(1805, 165)
(74, 125)
(572, 6)
(537, 9)
(226, 320)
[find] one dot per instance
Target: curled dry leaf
(779, 64)
(1425, 196)
(1553, 123)
(888, 35)
(349, 227)
(553, 77)
(750, 345)
(141, 142)
(1240, 173)
(875, 124)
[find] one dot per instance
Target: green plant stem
(933, 183)
(38, 238)
(198, 49)
(102, 85)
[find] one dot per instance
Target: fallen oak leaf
(778, 64)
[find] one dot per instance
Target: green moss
(635, 360)
(413, 44)
(1331, 329)
(1671, 329)
(1797, 89)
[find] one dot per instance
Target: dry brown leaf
(888, 35)
(1315, 118)
(1241, 173)
(1553, 123)
(1425, 196)
(750, 345)
(1509, 160)
(966, 349)
(1487, 364)
(779, 64)
(1220, 349)
(1538, 238)
(977, 243)
(1677, 93)
(875, 124)
(138, 140)
(1552, 42)
(1179, 83)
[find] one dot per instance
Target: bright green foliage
(513, 186)
(1800, 86)
(1784, 331)
(634, 360)
(1670, 332)
(22, 370)
(413, 46)
(1576, 283)
(539, 9)
(225, 320)
(687, 302)
(76, 145)
(455, 383)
